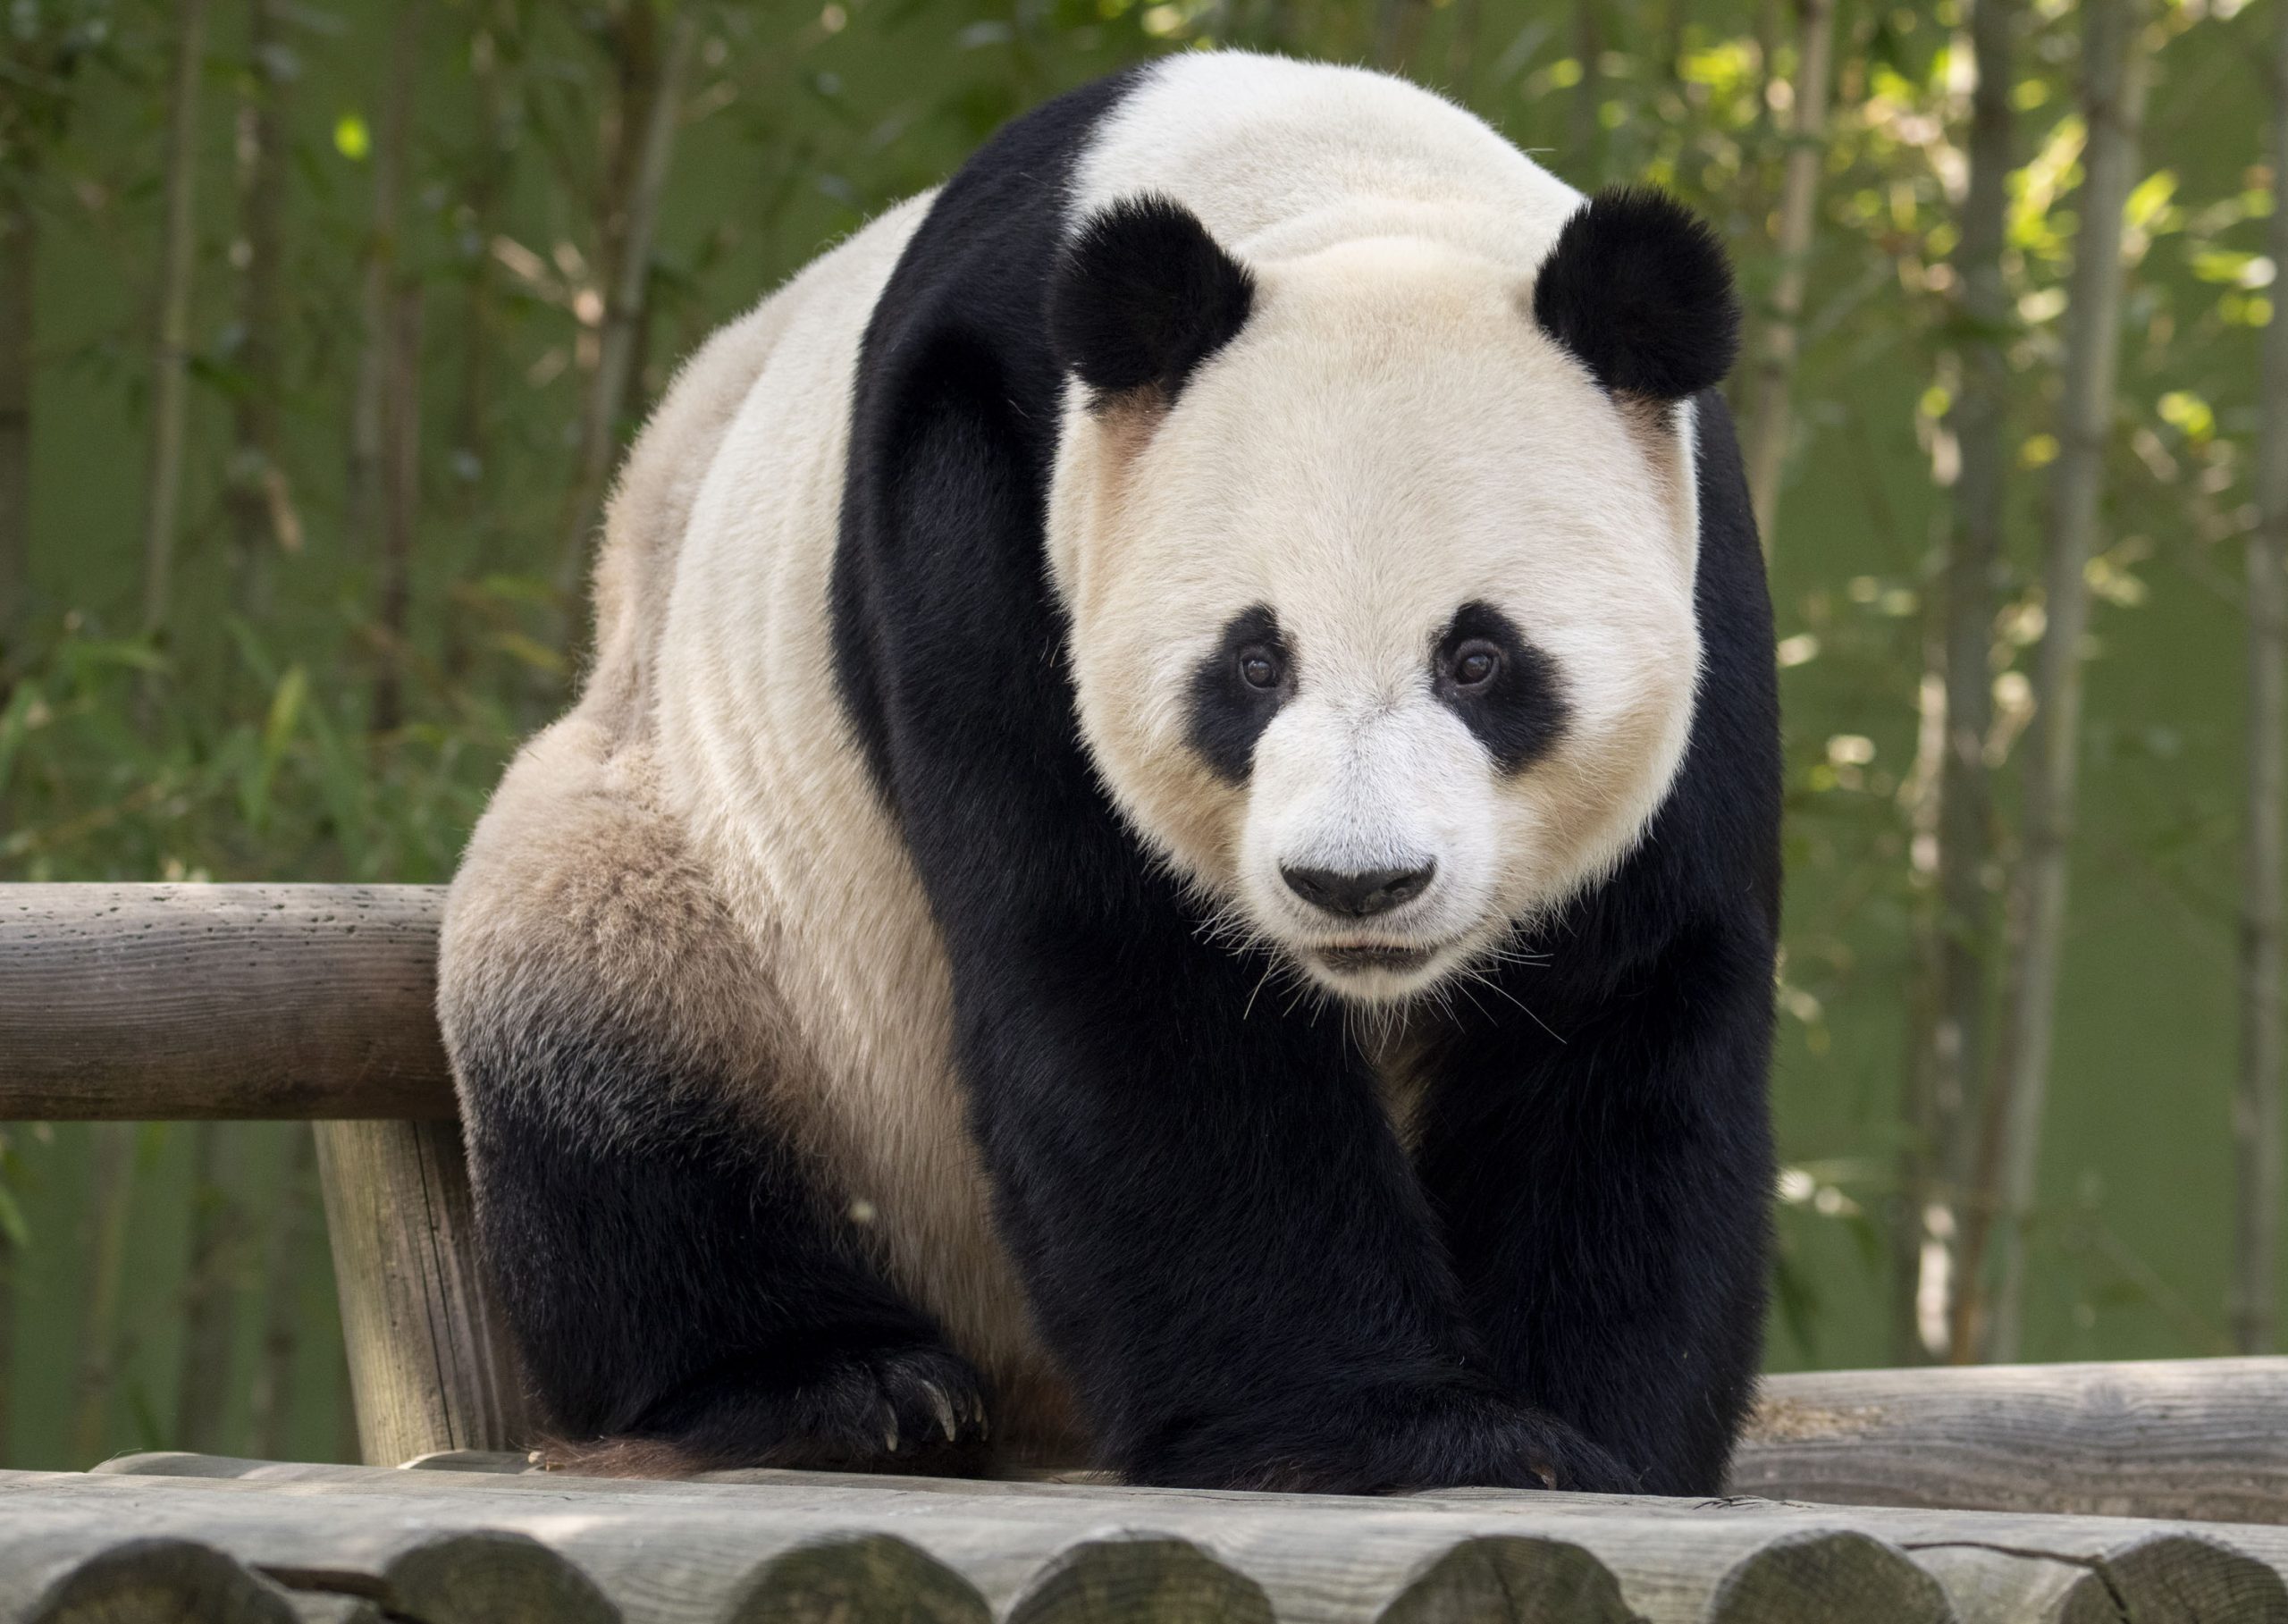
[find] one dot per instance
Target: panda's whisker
(1269, 969)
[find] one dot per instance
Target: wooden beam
(808, 1546)
(431, 1364)
(2199, 1439)
(125, 1003)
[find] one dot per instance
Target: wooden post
(430, 1362)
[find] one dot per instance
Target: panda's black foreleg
(1603, 1182)
(684, 1291)
(1219, 1233)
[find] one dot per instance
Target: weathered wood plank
(2197, 1439)
(692, 1554)
(126, 1002)
(431, 1364)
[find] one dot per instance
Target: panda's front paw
(1480, 1441)
(1392, 1441)
(914, 1407)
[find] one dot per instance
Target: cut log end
(1141, 1578)
(856, 1581)
(481, 1577)
(141, 1581)
(1504, 1579)
(1821, 1577)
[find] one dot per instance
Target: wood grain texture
(431, 1366)
(1140, 1577)
(1817, 1576)
(2197, 1439)
(701, 1552)
(133, 1003)
(2163, 1578)
(78, 1576)
(483, 1575)
(1508, 1578)
(856, 1581)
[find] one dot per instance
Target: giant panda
(1170, 854)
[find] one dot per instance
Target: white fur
(1389, 437)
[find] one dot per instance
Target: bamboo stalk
(271, 1401)
(636, 211)
(1584, 109)
(2113, 101)
(385, 251)
(260, 504)
(111, 1184)
(203, 1367)
(2256, 1105)
(1771, 423)
(401, 500)
(19, 252)
(171, 354)
(1973, 564)
(487, 174)
(1919, 1187)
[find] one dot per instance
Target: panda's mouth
(1357, 958)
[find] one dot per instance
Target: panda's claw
(942, 1406)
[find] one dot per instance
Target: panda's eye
(1258, 667)
(1476, 664)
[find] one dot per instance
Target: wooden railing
(2005, 1486)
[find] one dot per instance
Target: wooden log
(128, 1002)
(684, 1552)
(1508, 1578)
(2163, 1578)
(1817, 1576)
(59, 1575)
(483, 1576)
(431, 1365)
(2196, 1439)
(1102, 1581)
(845, 1581)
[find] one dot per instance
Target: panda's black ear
(1637, 288)
(1142, 296)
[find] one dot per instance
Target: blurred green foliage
(240, 742)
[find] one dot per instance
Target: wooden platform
(482, 1540)
(2130, 1493)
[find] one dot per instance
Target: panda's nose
(1359, 894)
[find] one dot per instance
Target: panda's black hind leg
(686, 1292)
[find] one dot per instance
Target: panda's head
(1379, 565)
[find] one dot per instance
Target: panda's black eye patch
(1237, 690)
(1506, 690)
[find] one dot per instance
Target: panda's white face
(1382, 633)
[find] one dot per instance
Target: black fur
(1518, 714)
(1228, 713)
(1597, 1143)
(675, 1273)
(1223, 1243)
(1143, 296)
(1639, 288)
